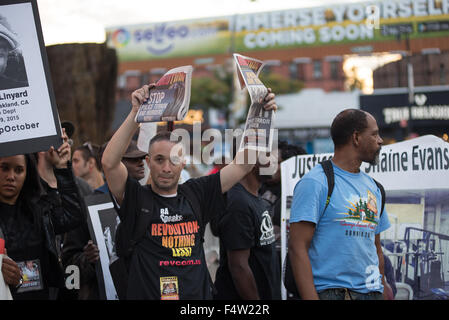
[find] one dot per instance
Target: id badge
(31, 276)
(169, 288)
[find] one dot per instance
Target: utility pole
(403, 31)
(410, 85)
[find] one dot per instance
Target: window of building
(293, 70)
(317, 69)
(442, 74)
(301, 72)
(266, 70)
(334, 68)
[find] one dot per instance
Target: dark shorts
(346, 294)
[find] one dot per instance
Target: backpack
(289, 280)
(130, 233)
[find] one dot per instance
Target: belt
(349, 292)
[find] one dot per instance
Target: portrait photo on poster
(102, 222)
(12, 67)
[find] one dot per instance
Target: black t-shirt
(25, 245)
(246, 224)
(272, 194)
(169, 262)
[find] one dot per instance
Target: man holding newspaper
(168, 262)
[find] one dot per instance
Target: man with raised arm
(168, 262)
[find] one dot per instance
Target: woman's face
(12, 177)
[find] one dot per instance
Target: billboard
(365, 22)
(170, 39)
(391, 106)
(341, 24)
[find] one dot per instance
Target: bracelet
(20, 283)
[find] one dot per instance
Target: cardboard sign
(29, 120)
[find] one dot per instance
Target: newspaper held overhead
(169, 99)
(258, 133)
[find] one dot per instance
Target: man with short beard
(335, 250)
(167, 262)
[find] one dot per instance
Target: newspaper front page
(258, 133)
(169, 99)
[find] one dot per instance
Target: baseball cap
(133, 152)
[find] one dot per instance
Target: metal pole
(410, 85)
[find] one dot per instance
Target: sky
(68, 21)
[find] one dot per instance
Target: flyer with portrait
(169, 99)
(258, 133)
(29, 120)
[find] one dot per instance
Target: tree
(280, 84)
(212, 92)
(216, 92)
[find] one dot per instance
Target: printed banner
(29, 120)
(391, 106)
(341, 24)
(349, 23)
(170, 39)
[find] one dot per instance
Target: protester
(79, 248)
(46, 173)
(133, 161)
(249, 268)
(337, 254)
(219, 163)
(86, 164)
(168, 262)
(390, 278)
(271, 188)
(30, 219)
(50, 186)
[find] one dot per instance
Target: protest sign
(415, 175)
(29, 120)
(5, 293)
(102, 222)
(258, 133)
(169, 100)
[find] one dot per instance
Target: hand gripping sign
(5, 293)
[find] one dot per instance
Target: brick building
(429, 69)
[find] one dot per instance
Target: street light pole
(410, 85)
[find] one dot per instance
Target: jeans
(346, 294)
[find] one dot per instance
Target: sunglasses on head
(93, 149)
